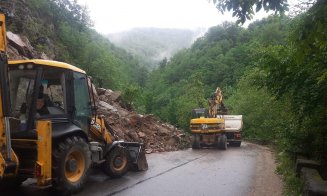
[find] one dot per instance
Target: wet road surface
(187, 172)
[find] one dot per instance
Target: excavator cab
(200, 112)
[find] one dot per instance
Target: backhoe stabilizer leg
(44, 149)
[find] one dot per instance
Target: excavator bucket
(136, 155)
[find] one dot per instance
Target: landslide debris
(127, 125)
(131, 126)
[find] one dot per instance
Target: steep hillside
(62, 30)
(152, 45)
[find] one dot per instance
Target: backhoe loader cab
(42, 89)
(54, 133)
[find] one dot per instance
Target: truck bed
(233, 123)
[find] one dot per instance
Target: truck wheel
(236, 144)
(222, 142)
(196, 142)
(116, 164)
(71, 161)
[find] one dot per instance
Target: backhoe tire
(222, 142)
(116, 164)
(71, 160)
(11, 183)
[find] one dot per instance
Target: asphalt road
(188, 172)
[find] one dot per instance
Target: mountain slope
(152, 45)
(62, 30)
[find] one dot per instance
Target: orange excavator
(206, 128)
(215, 127)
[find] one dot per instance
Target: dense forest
(274, 72)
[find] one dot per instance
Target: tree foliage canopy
(243, 9)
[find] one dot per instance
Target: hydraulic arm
(8, 159)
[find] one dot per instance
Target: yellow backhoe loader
(49, 128)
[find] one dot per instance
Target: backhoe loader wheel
(71, 162)
(116, 164)
(11, 183)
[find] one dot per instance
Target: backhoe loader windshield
(50, 101)
(21, 90)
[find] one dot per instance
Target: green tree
(265, 117)
(243, 10)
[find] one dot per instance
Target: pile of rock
(131, 126)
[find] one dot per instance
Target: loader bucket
(137, 156)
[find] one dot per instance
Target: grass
(286, 167)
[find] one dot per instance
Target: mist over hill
(152, 45)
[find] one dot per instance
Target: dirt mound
(127, 125)
(131, 126)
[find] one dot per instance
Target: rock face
(127, 125)
(20, 48)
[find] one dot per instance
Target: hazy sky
(119, 15)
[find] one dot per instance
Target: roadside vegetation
(292, 184)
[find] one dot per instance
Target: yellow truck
(49, 127)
